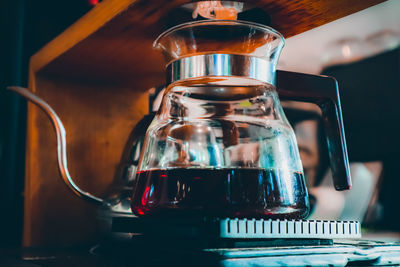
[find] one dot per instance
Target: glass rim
(221, 22)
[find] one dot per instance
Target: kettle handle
(323, 91)
(61, 143)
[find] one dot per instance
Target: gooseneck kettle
(220, 144)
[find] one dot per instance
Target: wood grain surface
(113, 42)
(98, 119)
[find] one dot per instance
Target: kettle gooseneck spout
(61, 144)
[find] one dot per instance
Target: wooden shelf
(113, 42)
(95, 75)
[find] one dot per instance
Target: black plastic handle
(323, 91)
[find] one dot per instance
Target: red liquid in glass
(241, 192)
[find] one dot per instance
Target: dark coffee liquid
(241, 192)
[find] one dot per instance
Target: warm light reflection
(346, 51)
(216, 10)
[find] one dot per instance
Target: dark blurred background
(370, 95)
(25, 26)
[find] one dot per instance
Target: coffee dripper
(220, 144)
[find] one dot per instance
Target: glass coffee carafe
(220, 144)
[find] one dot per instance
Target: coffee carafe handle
(61, 143)
(323, 91)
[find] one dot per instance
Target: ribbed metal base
(237, 228)
(243, 228)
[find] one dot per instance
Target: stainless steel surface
(356, 253)
(61, 144)
(221, 65)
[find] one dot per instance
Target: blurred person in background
(368, 73)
